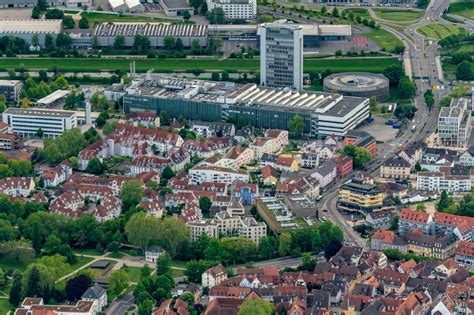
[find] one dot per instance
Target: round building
(361, 84)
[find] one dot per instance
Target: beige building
(395, 168)
(236, 158)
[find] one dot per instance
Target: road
(121, 305)
(423, 66)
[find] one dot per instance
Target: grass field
(363, 13)
(459, 48)
(384, 39)
(438, 31)
(398, 16)
(97, 18)
(88, 251)
(177, 272)
(133, 273)
(183, 65)
(462, 8)
(4, 306)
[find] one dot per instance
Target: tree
(296, 125)
(195, 268)
(131, 194)
(169, 42)
(141, 44)
(256, 306)
(68, 22)
(7, 231)
(459, 57)
(63, 41)
(215, 76)
(15, 291)
(407, 88)
(179, 44)
(118, 282)
(459, 91)
(33, 287)
(464, 71)
(42, 4)
(394, 223)
(54, 14)
(335, 12)
(324, 10)
(445, 101)
(205, 204)
(362, 156)
(36, 13)
(421, 207)
(445, 202)
(394, 73)
(95, 166)
(163, 265)
(216, 16)
(168, 173)
(284, 246)
(332, 248)
(25, 103)
(186, 15)
(76, 287)
(164, 118)
(83, 23)
(141, 230)
(119, 42)
(268, 247)
(171, 234)
(146, 307)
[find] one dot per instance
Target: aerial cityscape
(236, 157)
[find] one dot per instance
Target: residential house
(465, 254)
(280, 137)
(214, 174)
(269, 175)
(386, 239)
(412, 153)
(212, 129)
(395, 168)
(344, 164)
(37, 306)
(467, 157)
(147, 119)
(96, 294)
(440, 181)
(361, 139)
(57, 175)
(441, 246)
(246, 191)
(236, 158)
(152, 253)
(309, 160)
(17, 186)
(213, 276)
(410, 219)
(325, 174)
(379, 219)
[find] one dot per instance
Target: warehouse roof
(30, 26)
(150, 29)
(39, 112)
(250, 95)
(176, 4)
(53, 97)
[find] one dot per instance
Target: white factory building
(126, 6)
(156, 33)
(27, 122)
(235, 9)
(27, 28)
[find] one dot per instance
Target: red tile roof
(465, 248)
(414, 216)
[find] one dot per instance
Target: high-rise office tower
(281, 55)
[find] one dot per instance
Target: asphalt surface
(121, 305)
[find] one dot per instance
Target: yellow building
(358, 196)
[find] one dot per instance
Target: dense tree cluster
(9, 168)
(360, 155)
(69, 144)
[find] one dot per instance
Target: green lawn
(81, 261)
(4, 306)
(462, 8)
(178, 263)
(363, 13)
(177, 272)
(459, 48)
(398, 16)
(384, 39)
(438, 31)
(133, 273)
(88, 251)
(7, 264)
(97, 18)
(117, 255)
(183, 65)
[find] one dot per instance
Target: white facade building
(235, 9)
(454, 124)
(438, 181)
(26, 122)
(281, 55)
(214, 174)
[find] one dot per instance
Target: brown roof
(223, 306)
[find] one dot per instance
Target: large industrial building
(235, 9)
(156, 33)
(324, 114)
(27, 122)
(26, 29)
(281, 55)
(6, 4)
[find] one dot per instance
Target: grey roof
(396, 162)
(326, 169)
(94, 292)
(266, 157)
(155, 249)
(176, 4)
(39, 112)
